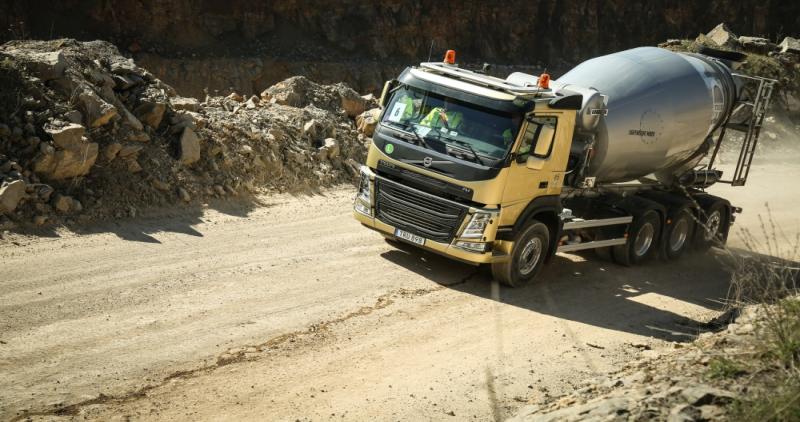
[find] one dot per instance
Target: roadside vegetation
(766, 277)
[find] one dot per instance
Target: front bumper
(496, 250)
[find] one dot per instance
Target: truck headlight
(363, 202)
(362, 207)
(363, 188)
(477, 225)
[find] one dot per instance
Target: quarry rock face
(242, 45)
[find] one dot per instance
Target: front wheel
(531, 247)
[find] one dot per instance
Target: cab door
(538, 165)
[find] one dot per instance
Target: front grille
(422, 182)
(418, 212)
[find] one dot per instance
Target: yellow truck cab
(479, 169)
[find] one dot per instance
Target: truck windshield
(463, 130)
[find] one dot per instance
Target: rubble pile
(86, 133)
(702, 381)
(765, 58)
(780, 61)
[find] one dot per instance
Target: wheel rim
(677, 238)
(530, 256)
(644, 238)
(712, 226)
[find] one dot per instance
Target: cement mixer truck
(616, 155)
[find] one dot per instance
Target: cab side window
(538, 138)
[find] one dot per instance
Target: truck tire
(678, 235)
(530, 250)
(604, 253)
(713, 226)
(642, 239)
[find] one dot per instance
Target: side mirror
(387, 88)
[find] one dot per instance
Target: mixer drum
(661, 108)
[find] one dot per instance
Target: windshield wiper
(409, 128)
(472, 150)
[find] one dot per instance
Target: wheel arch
(545, 209)
(704, 200)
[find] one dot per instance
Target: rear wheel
(604, 234)
(714, 225)
(642, 238)
(531, 247)
(678, 235)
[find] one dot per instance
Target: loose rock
(367, 121)
(723, 36)
(63, 203)
(10, 195)
(70, 136)
(190, 147)
(95, 110)
(185, 103)
(790, 45)
(150, 113)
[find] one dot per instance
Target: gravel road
(287, 309)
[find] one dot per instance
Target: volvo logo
(427, 161)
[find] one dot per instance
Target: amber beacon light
(544, 81)
(450, 57)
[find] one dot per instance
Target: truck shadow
(646, 300)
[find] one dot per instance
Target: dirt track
(289, 310)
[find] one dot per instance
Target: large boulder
(67, 163)
(723, 36)
(73, 156)
(352, 103)
(291, 92)
(130, 120)
(69, 136)
(367, 121)
(190, 147)
(790, 45)
(756, 44)
(46, 65)
(329, 150)
(150, 113)
(299, 91)
(96, 111)
(185, 103)
(10, 195)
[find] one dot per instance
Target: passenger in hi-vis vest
(443, 117)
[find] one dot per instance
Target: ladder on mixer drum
(751, 127)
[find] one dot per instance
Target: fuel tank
(648, 111)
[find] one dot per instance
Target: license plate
(400, 234)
